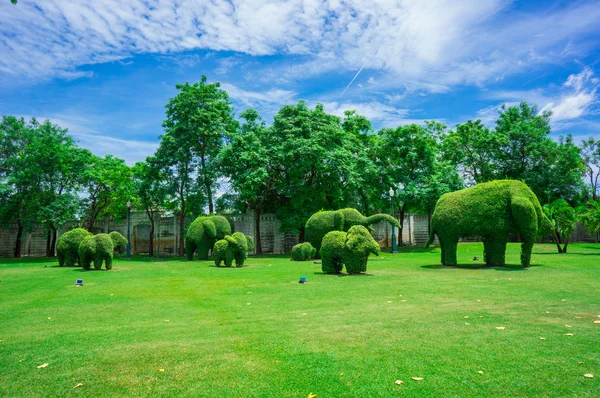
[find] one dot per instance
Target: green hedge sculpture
(493, 211)
(303, 252)
(67, 246)
(202, 234)
(99, 248)
(351, 248)
(323, 222)
(234, 247)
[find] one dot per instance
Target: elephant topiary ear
(338, 220)
(210, 229)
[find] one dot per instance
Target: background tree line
(304, 161)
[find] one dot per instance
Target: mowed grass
(188, 329)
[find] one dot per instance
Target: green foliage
(303, 252)
(67, 246)
(351, 248)
(202, 234)
(590, 154)
(564, 221)
(492, 211)
(97, 249)
(590, 217)
(117, 239)
(322, 222)
(197, 119)
(232, 248)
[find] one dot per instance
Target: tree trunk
(257, 232)
(54, 236)
(151, 237)
(210, 199)
(181, 237)
(48, 242)
(402, 210)
(565, 246)
(556, 239)
(17, 252)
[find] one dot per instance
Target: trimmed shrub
(493, 211)
(233, 248)
(117, 239)
(202, 234)
(322, 222)
(303, 252)
(67, 246)
(351, 248)
(98, 249)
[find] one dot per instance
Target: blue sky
(106, 68)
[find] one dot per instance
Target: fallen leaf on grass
(547, 312)
(466, 316)
(500, 327)
(563, 300)
(341, 374)
(597, 322)
(568, 334)
(480, 316)
(588, 376)
(20, 360)
(166, 320)
(42, 366)
(399, 382)
(161, 370)
(403, 301)
(568, 326)
(468, 324)
(311, 395)
(417, 378)
(304, 314)
(542, 338)
(480, 372)
(389, 302)
(1, 341)
(248, 303)
(78, 385)
(49, 318)
(580, 362)
(577, 317)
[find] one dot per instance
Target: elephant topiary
(67, 247)
(493, 211)
(202, 234)
(234, 247)
(99, 248)
(323, 222)
(351, 248)
(303, 252)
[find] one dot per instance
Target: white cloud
(580, 96)
(434, 43)
(379, 114)
(254, 98)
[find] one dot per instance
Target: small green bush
(202, 234)
(322, 222)
(67, 246)
(493, 211)
(303, 252)
(233, 248)
(351, 248)
(117, 239)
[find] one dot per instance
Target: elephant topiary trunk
(320, 223)
(493, 211)
(351, 248)
(202, 234)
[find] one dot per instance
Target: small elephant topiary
(99, 248)
(303, 252)
(351, 248)
(202, 234)
(323, 222)
(233, 247)
(493, 211)
(67, 247)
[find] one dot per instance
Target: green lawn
(256, 332)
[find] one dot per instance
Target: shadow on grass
(508, 267)
(341, 275)
(568, 253)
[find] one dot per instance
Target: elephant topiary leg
(494, 251)
(527, 222)
(332, 265)
(190, 248)
(449, 246)
(61, 259)
(229, 257)
(108, 261)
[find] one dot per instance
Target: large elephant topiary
(303, 252)
(67, 246)
(234, 247)
(351, 248)
(99, 248)
(202, 234)
(493, 211)
(323, 222)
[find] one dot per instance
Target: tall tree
(150, 192)
(198, 118)
(564, 220)
(313, 164)
(590, 153)
(108, 186)
(245, 161)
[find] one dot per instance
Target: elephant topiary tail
(430, 239)
(382, 217)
